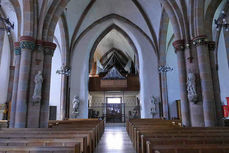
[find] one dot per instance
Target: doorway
(114, 109)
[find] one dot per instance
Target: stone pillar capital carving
(17, 48)
(179, 45)
(49, 48)
(12, 68)
(200, 40)
(211, 45)
(39, 45)
(27, 42)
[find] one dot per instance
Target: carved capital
(179, 45)
(211, 45)
(12, 68)
(49, 48)
(27, 42)
(200, 40)
(17, 48)
(39, 46)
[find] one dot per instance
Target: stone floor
(115, 140)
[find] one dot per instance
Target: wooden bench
(27, 149)
(83, 133)
(46, 142)
(160, 136)
(197, 148)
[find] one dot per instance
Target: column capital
(200, 40)
(17, 48)
(211, 45)
(39, 45)
(49, 48)
(27, 42)
(12, 68)
(179, 45)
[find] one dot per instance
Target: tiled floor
(115, 140)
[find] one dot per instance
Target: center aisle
(115, 140)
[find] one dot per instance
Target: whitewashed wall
(4, 70)
(149, 78)
(223, 69)
(172, 81)
(99, 98)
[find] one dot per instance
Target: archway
(148, 70)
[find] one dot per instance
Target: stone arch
(105, 32)
(108, 17)
(148, 65)
(48, 35)
(210, 15)
(28, 18)
(17, 9)
(173, 17)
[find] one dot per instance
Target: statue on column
(153, 106)
(75, 105)
(38, 86)
(191, 88)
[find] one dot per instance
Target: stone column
(10, 84)
(63, 96)
(215, 78)
(27, 45)
(195, 107)
(17, 51)
(37, 65)
(201, 45)
(164, 95)
(2, 34)
(179, 49)
(49, 48)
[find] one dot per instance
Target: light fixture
(7, 25)
(221, 22)
(64, 70)
(164, 69)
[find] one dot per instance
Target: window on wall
(114, 100)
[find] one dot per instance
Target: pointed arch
(103, 34)
(110, 17)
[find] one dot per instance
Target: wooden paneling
(132, 84)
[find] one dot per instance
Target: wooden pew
(196, 148)
(46, 142)
(27, 149)
(61, 134)
(160, 136)
(47, 132)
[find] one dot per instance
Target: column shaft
(164, 90)
(179, 47)
(196, 108)
(44, 113)
(63, 96)
(2, 34)
(215, 78)
(206, 81)
(33, 120)
(17, 51)
(27, 45)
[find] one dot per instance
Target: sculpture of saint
(153, 108)
(191, 87)
(76, 104)
(38, 86)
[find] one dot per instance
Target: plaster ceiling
(144, 14)
(114, 39)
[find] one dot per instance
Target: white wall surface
(223, 69)
(149, 78)
(172, 81)
(55, 87)
(4, 70)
